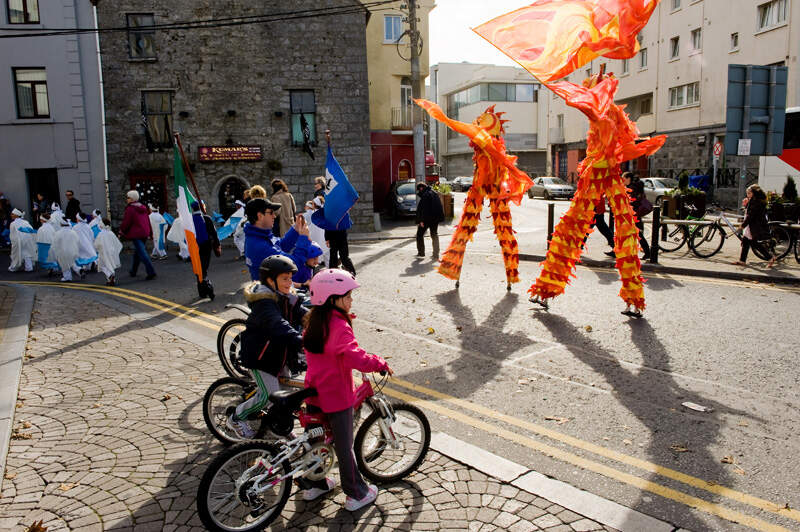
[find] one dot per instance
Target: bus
(773, 170)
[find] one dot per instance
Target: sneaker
(240, 428)
(150, 277)
(351, 505)
(611, 253)
(112, 281)
(316, 493)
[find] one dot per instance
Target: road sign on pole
(744, 147)
(717, 149)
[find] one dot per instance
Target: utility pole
(416, 111)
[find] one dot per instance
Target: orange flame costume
(551, 39)
(496, 177)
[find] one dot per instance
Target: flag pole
(328, 137)
(186, 166)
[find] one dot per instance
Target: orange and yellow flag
(552, 38)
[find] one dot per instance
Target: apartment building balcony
(556, 135)
(401, 118)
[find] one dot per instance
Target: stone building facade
(244, 85)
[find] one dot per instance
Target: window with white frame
(626, 66)
(676, 4)
(31, 86)
(771, 14)
(392, 28)
(697, 39)
(684, 95)
(646, 106)
(674, 47)
(23, 11)
(643, 58)
(734, 41)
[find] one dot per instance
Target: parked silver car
(656, 187)
(551, 187)
(462, 183)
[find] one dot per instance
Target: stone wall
(249, 69)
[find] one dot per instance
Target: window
(646, 106)
(23, 11)
(643, 58)
(560, 122)
(303, 103)
(684, 95)
(674, 47)
(157, 119)
(771, 14)
(697, 39)
(141, 36)
(525, 93)
(497, 92)
(626, 65)
(31, 84)
(392, 28)
(734, 42)
(676, 4)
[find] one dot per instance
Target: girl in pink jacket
(332, 354)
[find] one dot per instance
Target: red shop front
(392, 160)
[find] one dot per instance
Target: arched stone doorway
(404, 170)
(229, 189)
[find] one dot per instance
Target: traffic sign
(744, 147)
(717, 149)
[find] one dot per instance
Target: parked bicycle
(246, 486)
(706, 240)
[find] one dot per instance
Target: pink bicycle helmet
(330, 282)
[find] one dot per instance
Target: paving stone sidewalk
(109, 435)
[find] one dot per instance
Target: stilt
(541, 302)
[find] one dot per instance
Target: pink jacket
(331, 372)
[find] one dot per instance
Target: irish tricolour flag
(185, 199)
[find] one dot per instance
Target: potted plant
(446, 197)
(790, 200)
(671, 200)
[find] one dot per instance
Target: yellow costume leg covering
(626, 244)
(566, 245)
(453, 258)
(501, 215)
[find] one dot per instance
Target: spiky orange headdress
(490, 121)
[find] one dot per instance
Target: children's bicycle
(229, 343)
(247, 485)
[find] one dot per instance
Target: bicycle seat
(291, 399)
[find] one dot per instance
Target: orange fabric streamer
(495, 177)
(551, 39)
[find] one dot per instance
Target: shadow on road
(418, 267)
(654, 398)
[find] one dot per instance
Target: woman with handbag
(641, 206)
(754, 225)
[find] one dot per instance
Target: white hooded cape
(23, 245)
(108, 249)
(65, 247)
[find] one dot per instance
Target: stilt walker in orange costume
(551, 39)
(496, 177)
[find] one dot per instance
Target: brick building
(242, 86)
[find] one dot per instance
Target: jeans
(434, 239)
(747, 243)
(140, 255)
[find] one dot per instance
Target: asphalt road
(613, 386)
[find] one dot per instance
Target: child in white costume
(316, 233)
(159, 226)
(23, 242)
(108, 249)
(87, 255)
(177, 235)
(66, 248)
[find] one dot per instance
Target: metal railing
(401, 118)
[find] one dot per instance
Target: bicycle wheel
(220, 401)
(227, 502)
(229, 348)
(797, 247)
(377, 459)
(706, 241)
(778, 244)
(672, 237)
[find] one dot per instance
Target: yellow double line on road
(213, 322)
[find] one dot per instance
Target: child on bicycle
(271, 341)
(332, 354)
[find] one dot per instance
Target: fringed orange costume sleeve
(495, 177)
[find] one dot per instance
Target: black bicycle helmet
(275, 265)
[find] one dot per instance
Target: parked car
(402, 199)
(551, 187)
(462, 183)
(656, 187)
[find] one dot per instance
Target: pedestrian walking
(641, 206)
(108, 249)
(430, 214)
(282, 196)
(599, 221)
(23, 242)
(73, 206)
(39, 207)
(754, 226)
(158, 226)
(136, 228)
(207, 241)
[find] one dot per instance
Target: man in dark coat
(429, 215)
(73, 206)
(207, 241)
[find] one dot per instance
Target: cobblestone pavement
(109, 435)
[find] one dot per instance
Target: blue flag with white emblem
(340, 196)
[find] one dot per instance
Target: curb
(676, 270)
(14, 341)
(594, 507)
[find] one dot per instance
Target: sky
(451, 37)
